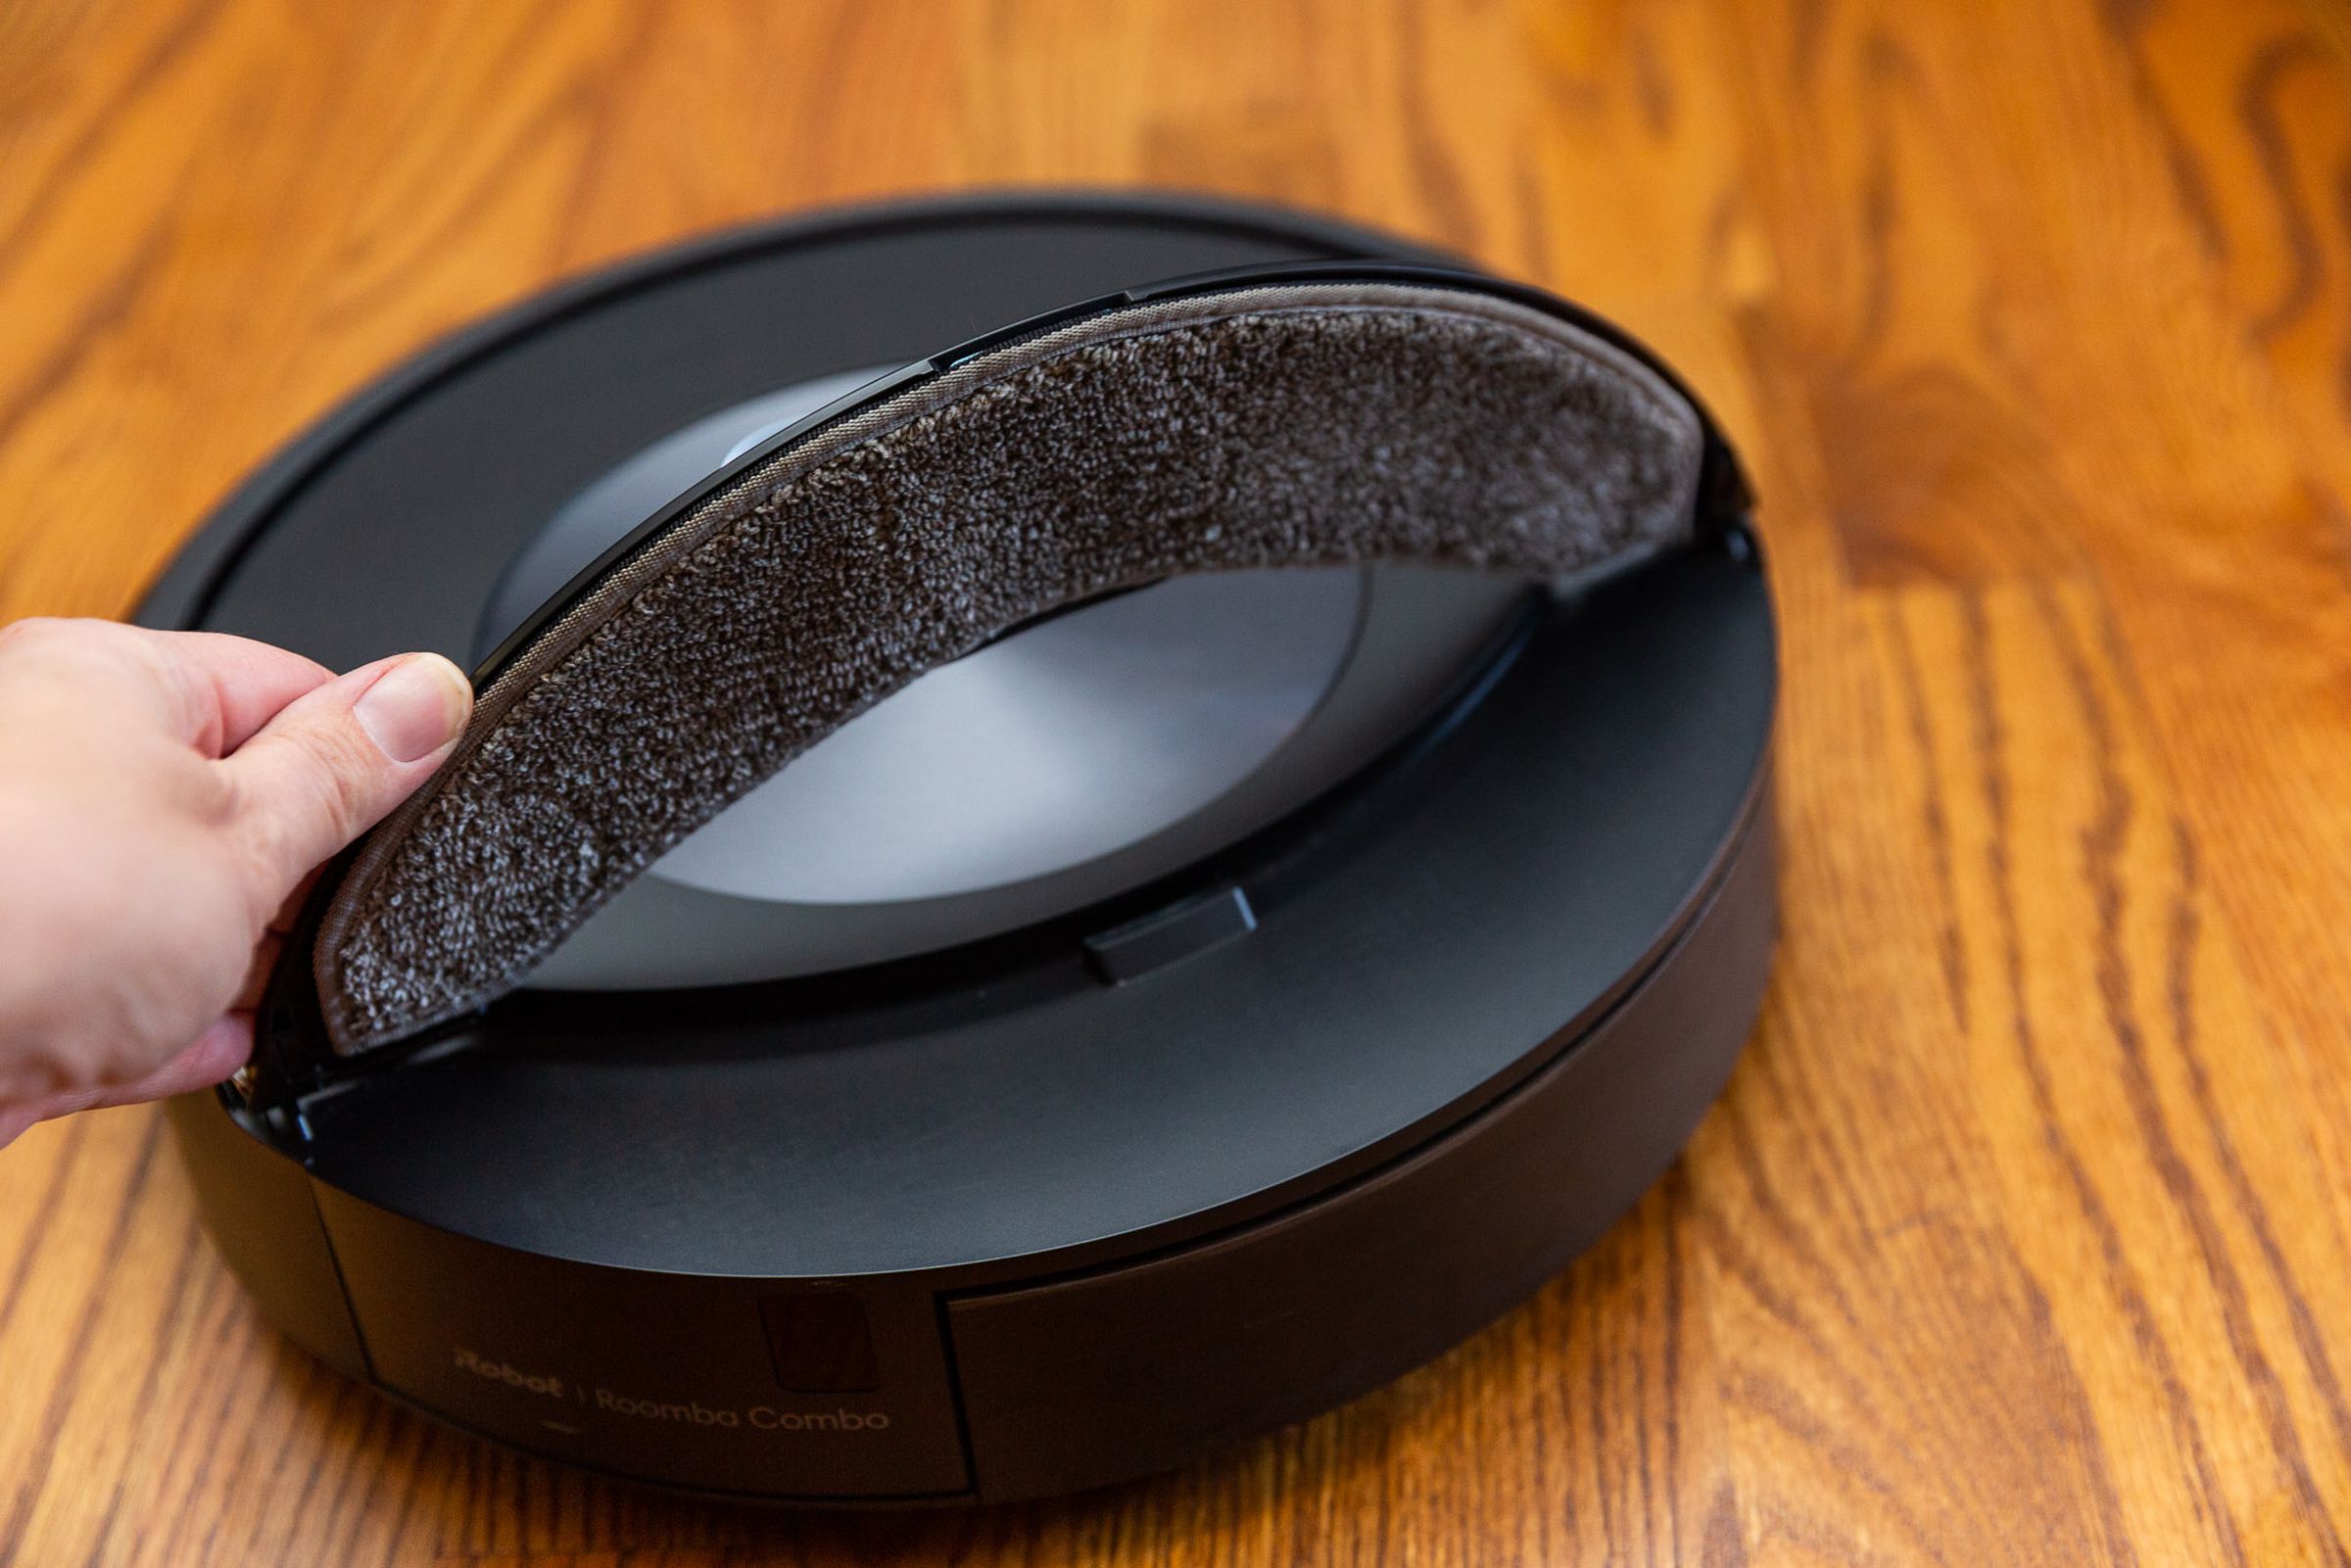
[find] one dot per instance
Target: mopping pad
(1299, 424)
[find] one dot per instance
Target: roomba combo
(1275, 852)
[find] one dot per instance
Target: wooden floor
(2023, 1233)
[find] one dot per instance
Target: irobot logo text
(500, 1372)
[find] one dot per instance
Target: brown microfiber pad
(1304, 424)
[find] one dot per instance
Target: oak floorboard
(2023, 1234)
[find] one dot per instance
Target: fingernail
(416, 708)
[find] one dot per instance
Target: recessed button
(820, 1342)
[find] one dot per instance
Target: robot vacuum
(1175, 987)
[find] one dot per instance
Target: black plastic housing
(1000, 1221)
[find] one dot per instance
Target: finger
(207, 690)
(230, 686)
(281, 923)
(336, 760)
(205, 1061)
(256, 978)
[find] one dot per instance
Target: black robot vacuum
(1276, 855)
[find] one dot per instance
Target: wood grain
(2022, 1233)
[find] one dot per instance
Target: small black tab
(1130, 951)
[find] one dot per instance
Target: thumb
(336, 759)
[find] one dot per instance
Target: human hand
(164, 799)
